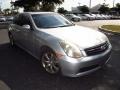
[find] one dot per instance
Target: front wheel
(78, 20)
(49, 61)
(11, 40)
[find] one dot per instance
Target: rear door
(16, 27)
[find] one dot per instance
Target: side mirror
(26, 27)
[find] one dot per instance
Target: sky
(68, 3)
(73, 3)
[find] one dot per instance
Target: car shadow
(22, 71)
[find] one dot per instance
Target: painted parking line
(4, 86)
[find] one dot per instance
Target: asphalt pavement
(21, 71)
(96, 23)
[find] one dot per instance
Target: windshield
(10, 17)
(87, 14)
(73, 15)
(50, 21)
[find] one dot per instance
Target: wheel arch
(44, 47)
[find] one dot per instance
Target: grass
(112, 28)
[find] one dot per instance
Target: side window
(26, 20)
(21, 20)
(15, 20)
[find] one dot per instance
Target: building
(95, 9)
(75, 10)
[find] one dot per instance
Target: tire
(73, 19)
(78, 20)
(11, 40)
(89, 19)
(49, 61)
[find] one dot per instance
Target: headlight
(71, 50)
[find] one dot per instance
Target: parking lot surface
(21, 71)
(96, 23)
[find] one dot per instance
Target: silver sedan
(58, 44)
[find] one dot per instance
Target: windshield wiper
(67, 25)
(60, 26)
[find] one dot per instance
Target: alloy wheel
(49, 62)
(11, 40)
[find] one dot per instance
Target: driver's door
(27, 34)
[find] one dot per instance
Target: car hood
(76, 16)
(81, 36)
(2, 18)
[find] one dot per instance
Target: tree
(6, 11)
(49, 5)
(83, 9)
(104, 9)
(118, 8)
(26, 4)
(45, 5)
(62, 10)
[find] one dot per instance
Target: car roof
(38, 13)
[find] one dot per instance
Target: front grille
(97, 49)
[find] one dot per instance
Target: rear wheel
(73, 19)
(49, 61)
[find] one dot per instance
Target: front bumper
(78, 67)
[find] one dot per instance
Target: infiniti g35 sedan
(58, 44)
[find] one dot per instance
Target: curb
(108, 31)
